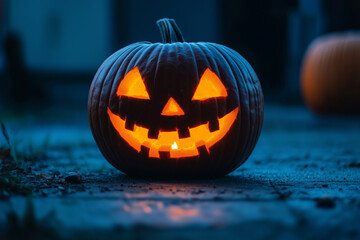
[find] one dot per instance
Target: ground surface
(302, 181)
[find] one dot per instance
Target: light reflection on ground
(170, 211)
(176, 213)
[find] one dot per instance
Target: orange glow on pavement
(176, 213)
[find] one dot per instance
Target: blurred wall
(76, 36)
(257, 30)
(57, 46)
(308, 20)
(62, 36)
(305, 23)
(67, 38)
(199, 20)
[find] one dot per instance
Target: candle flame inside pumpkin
(174, 146)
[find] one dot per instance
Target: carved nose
(172, 108)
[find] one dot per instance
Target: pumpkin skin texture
(155, 88)
(330, 75)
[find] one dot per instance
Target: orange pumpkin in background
(330, 77)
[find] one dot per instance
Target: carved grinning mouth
(169, 141)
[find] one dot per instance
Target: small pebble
(325, 202)
(74, 178)
(218, 198)
(5, 194)
(104, 189)
(354, 164)
(61, 182)
(197, 192)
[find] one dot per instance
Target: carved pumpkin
(330, 80)
(175, 109)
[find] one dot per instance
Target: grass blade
(5, 133)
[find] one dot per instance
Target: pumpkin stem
(170, 32)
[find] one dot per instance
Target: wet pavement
(302, 181)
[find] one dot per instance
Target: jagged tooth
(213, 125)
(129, 124)
(144, 151)
(123, 107)
(183, 132)
(153, 133)
(202, 150)
(164, 154)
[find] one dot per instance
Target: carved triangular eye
(132, 85)
(210, 86)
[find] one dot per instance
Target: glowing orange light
(172, 108)
(177, 213)
(132, 85)
(186, 147)
(210, 86)
(174, 146)
(147, 209)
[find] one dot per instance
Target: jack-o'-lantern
(175, 109)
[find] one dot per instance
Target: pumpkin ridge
(103, 67)
(240, 97)
(251, 88)
(244, 85)
(205, 52)
(159, 54)
(96, 110)
(255, 104)
(254, 91)
(117, 64)
(120, 64)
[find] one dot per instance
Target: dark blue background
(55, 47)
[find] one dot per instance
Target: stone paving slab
(302, 181)
(110, 213)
